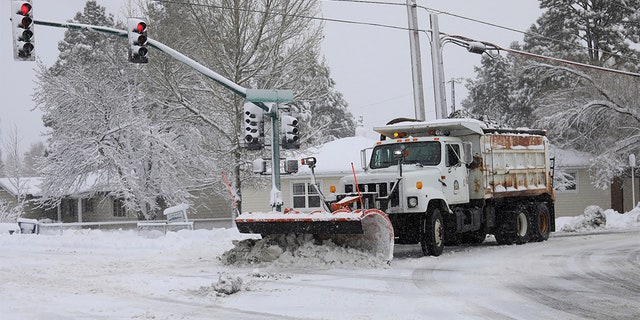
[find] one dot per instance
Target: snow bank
(301, 251)
(6, 228)
(594, 218)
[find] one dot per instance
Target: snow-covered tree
(582, 108)
(256, 44)
(590, 110)
(598, 32)
(104, 127)
(33, 157)
(14, 171)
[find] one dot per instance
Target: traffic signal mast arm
(257, 97)
(237, 89)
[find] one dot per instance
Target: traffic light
(253, 126)
(22, 28)
(137, 32)
(291, 139)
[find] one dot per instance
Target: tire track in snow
(597, 277)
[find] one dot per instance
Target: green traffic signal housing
(22, 29)
(253, 126)
(137, 35)
(291, 131)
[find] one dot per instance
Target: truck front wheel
(432, 233)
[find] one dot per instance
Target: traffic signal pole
(255, 96)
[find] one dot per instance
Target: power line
(371, 24)
(495, 25)
(514, 51)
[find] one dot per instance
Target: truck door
(456, 175)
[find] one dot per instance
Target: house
(334, 161)
(93, 202)
(25, 191)
(573, 197)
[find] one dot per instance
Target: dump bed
(510, 163)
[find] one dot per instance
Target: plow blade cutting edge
(369, 230)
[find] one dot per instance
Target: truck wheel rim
(522, 225)
(544, 222)
(437, 232)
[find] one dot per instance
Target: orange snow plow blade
(369, 230)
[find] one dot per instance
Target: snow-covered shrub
(593, 218)
(227, 284)
(9, 214)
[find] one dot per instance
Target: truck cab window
(452, 157)
(426, 153)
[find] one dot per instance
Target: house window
(87, 205)
(118, 208)
(566, 181)
(304, 195)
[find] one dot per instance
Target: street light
(437, 41)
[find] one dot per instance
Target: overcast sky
(371, 65)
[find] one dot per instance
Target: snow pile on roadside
(594, 218)
(6, 228)
(301, 250)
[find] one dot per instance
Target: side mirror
(363, 159)
(467, 148)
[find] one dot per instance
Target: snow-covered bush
(592, 218)
(9, 214)
(227, 284)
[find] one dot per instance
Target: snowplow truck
(453, 181)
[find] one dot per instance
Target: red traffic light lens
(25, 8)
(141, 27)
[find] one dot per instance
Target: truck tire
(522, 227)
(541, 223)
(514, 228)
(432, 233)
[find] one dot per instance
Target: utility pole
(453, 82)
(437, 68)
(416, 62)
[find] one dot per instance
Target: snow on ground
(594, 218)
(123, 274)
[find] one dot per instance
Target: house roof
(335, 157)
(570, 158)
(26, 185)
(31, 185)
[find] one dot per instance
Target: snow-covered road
(121, 275)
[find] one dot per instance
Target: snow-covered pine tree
(585, 109)
(588, 110)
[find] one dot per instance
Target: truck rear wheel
(432, 233)
(541, 223)
(514, 228)
(522, 227)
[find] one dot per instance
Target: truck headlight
(412, 202)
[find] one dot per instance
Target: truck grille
(374, 195)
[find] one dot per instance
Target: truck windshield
(425, 153)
